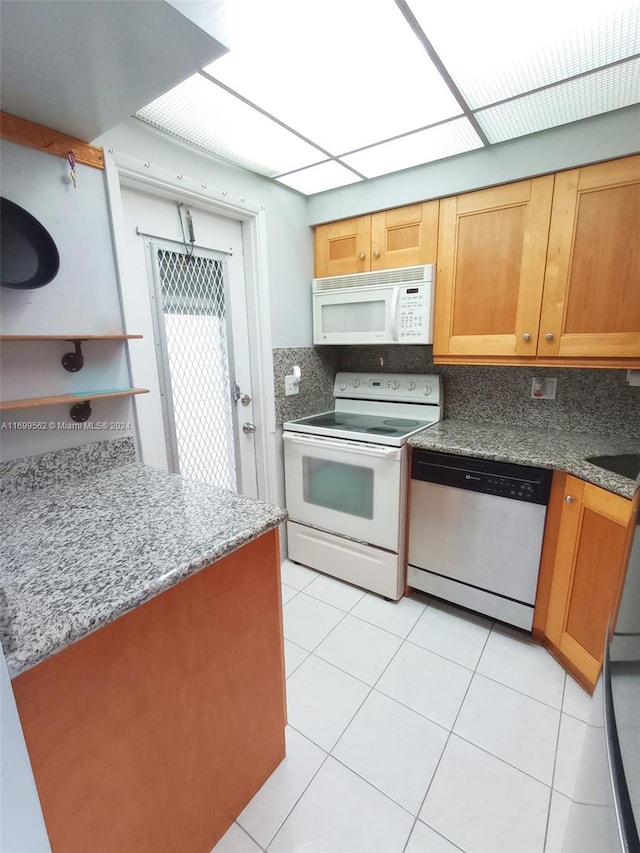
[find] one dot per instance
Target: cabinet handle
(362, 256)
(376, 254)
(548, 336)
(569, 499)
(526, 337)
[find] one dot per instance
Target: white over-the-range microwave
(385, 307)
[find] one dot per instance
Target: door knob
(569, 499)
(548, 336)
(248, 427)
(376, 254)
(362, 256)
(526, 337)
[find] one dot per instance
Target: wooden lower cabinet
(587, 541)
(153, 733)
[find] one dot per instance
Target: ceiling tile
(586, 96)
(316, 179)
(445, 140)
(203, 114)
(344, 74)
(505, 49)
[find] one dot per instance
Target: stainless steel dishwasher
(475, 533)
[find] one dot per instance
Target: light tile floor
(413, 727)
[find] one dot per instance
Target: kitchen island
(142, 627)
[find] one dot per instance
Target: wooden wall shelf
(71, 361)
(61, 399)
(4, 338)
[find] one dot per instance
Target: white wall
(289, 238)
(603, 137)
(81, 299)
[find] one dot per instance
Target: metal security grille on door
(193, 338)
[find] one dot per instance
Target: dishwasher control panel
(490, 477)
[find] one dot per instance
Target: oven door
(345, 487)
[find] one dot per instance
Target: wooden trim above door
(32, 135)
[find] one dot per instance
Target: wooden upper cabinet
(342, 248)
(546, 269)
(591, 303)
(592, 540)
(402, 237)
(405, 236)
(492, 248)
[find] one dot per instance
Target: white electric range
(346, 477)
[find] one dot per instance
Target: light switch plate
(291, 386)
(543, 389)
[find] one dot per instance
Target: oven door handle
(358, 447)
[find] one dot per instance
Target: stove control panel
(399, 387)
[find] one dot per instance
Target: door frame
(122, 169)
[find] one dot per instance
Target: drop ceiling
(318, 94)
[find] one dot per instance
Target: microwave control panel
(411, 313)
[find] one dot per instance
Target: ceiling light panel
(344, 74)
(445, 140)
(316, 179)
(587, 96)
(504, 48)
(201, 113)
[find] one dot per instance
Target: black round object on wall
(28, 255)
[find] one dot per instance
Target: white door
(184, 273)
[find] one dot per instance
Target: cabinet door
(342, 248)
(491, 258)
(591, 301)
(590, 561)
(405, 236)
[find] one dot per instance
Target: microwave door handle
(395, 301)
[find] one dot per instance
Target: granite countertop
(544, 448)
(77, 556)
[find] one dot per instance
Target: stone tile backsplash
(62, 466)
(318, 366)
(586, 400)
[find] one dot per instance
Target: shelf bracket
(73, 361)
(81, 412)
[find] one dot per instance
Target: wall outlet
(543, 389)
(291, 385)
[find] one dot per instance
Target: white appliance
(346, 477)
(385, 307)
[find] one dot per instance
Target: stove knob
(427, 390)
(343, 386)
(412, 386)
(356, 383)
(395, 384)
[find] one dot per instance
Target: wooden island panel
(153, 733)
